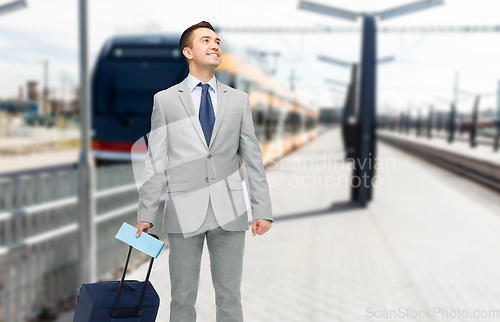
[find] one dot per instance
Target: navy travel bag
(118, 301)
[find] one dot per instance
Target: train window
(292, 123)
(144, 52)
(309, 122)
(131, 89)
(271, 123)
(287, 124)
(248, 87)
(244, 84)
(296, 122)
(258, 121)
(259, 118)
(232, 82)
(269, 129)
(224, 77)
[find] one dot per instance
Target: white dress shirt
(196, 92)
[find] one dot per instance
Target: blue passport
(145, 243)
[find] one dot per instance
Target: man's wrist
(150, 224)
(270, 220)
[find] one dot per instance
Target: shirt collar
(193, 81)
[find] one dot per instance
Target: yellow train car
(283, 121)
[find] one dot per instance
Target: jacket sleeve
(155, 165)
(251, 159)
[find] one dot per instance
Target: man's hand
(260, 226)
(142, 226)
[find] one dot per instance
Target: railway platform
(425, 249)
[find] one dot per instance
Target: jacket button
(209, 156)
(206, 179)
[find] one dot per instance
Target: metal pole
(401, 122)
(366, 135)
(349, 116)
(407, 124)
(455, 92)
(497, 137)
(451, 123)
(46, 86)
(419, 123)
(429, 122)
(473, 127)
(87, 246)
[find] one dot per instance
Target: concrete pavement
(422, 247)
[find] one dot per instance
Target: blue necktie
(206, 115)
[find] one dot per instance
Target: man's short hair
(187, 37)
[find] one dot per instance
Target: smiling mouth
(215, 55)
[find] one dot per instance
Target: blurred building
(33, 91)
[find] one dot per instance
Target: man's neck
(202, 75)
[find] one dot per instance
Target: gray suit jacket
(196, 172)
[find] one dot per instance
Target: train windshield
(120, 52)
(129, 76)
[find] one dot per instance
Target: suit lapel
(187, 102)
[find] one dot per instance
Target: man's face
(206, 51)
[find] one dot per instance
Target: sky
(425, 66)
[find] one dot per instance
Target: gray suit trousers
(226, 250)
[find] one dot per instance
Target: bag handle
(136, 311)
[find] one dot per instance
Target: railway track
(481, 171)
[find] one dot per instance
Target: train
(23, 108)
(130, 69)
(486, 127)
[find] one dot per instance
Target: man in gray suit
(202, 135)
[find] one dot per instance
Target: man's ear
(186, 51)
